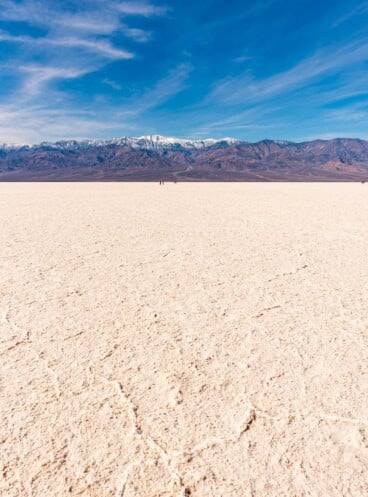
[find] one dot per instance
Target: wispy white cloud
(102, 47)
(89, 27)
(87, 24)
(112, 84)
(248, 89)
(94, 39)
(174, 83)
(280, 100)
(339, 133)
(39, 76)
(360, 9)
(140, 8)
(34, 124)
(242, 58)
(71, 43)
(136, 34)
(38, 114)
(31, 10)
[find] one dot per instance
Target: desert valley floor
(202, 340)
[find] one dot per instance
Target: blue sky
(278, 69)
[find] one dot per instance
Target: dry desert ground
(202, 340)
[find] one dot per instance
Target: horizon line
(179, 139)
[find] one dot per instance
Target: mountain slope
(157, 157)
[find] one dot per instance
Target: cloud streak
(248, 89)
(140, 8)
(101, 47)
(31, 120)
(122, 66)
(70, 44)
(328, 77)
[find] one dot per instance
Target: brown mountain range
(147, 160)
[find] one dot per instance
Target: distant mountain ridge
(153, 142)
(155, 157)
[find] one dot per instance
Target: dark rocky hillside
(154, 158)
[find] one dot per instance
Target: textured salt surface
(185, 340)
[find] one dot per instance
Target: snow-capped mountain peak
(158, 141)
(149, 142)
